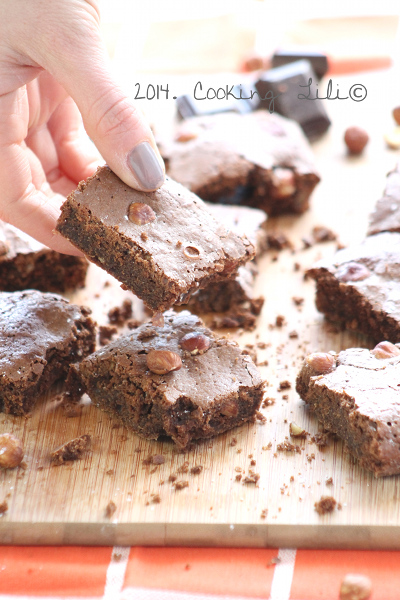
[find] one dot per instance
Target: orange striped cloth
(137, 573)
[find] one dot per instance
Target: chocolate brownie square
(257, 159)
(26, 264)
(386, 215)
(40, 336)
(360, 286)
(356, 395)
(179, 380)
(162, 245)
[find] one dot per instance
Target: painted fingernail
(146, 167)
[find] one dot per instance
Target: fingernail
(145, 166)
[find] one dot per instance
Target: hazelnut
(356, 139)
(321, 362)
(352, 271)
(185, 134)
(253, 62)
(11, 451)
(385, 350)
(283, 181)
(355, 587)
(392, 139)
(229, 409)
(163, 361)
(396, 114)
(297, 431)
(191, 252)
(140, 213)
(195, 342)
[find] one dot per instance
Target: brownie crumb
(72, 450)
(268, 402)
(196, 470)
(251, 478)
(280, 321)
(293, 334)
(239, 317)
(297, 300)
(179, 485)
(277, 240)
(3, 507)
(284, 385)
(233, 442)
(238, 477)
(110, 472)
(156, 499)
(172, 478)
(184, 468)
(155, 459)
(296, 266)
(260, 417)
(110, 509)
(268, 446)
(325, 505)
(320, 439)
(288, 447)
(264, 513)
(133, 323)
(321, 233)
(119, 314)
(329, 481)
(105, 333)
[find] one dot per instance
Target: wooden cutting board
(66, 504)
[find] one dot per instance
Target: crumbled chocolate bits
(355, 587)
(105, 333)
(119, 314)
(180, 485)
(251, 478)
(72, 450)
(321, 234)
(195, 342)
(140, 213)
(286, 446)
(284, 385)
(325, 505)
(277, 240)
(11, 451)
(163, 361)
(110, 509)
(355, 139)
(196, 470)
(3, 507)
(268, 402)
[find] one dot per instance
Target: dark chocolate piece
(26, 264)
(318, 61)
(358, 399)
(163, 260)
(187, 106)
(386, 215)
(214, 389)
(286, 83)
(40, 336)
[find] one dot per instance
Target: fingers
(78, 60)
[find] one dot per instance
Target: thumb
(114, 124)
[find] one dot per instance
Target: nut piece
(392, 139)
(195, 342)
(352, 271)
(11, 451)
(396, 114)
(191, 252)
(356, 139)
(229, 409)
(321, 362)
(355, 587)
(140, 213)
(283, 181)
(163, 361)
(385, 350)
(297, 431)
(186, 133)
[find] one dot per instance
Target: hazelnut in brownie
(386, 214)
(360, 286)
(26, 264)
(356, 395)
(179, 380)
(257, 159)
(41, 334)
(162, 245)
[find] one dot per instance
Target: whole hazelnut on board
(321, 362)
(356, 139)
(355, 587)
(385, 350)
(11, 451)
(163, 361)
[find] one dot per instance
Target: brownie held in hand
(162, 245)
(179, 380)
(40, 336)
(356, 395)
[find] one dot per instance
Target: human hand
(53, 69)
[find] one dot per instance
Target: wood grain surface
(66, 504)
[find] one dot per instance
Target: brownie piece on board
(213, 388)
(162, 245)
(40, 336)
(386, 215)
(356, 395)
(360, 286)
(257, 159)
(26, 264)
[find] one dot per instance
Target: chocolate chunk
(318, 61)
